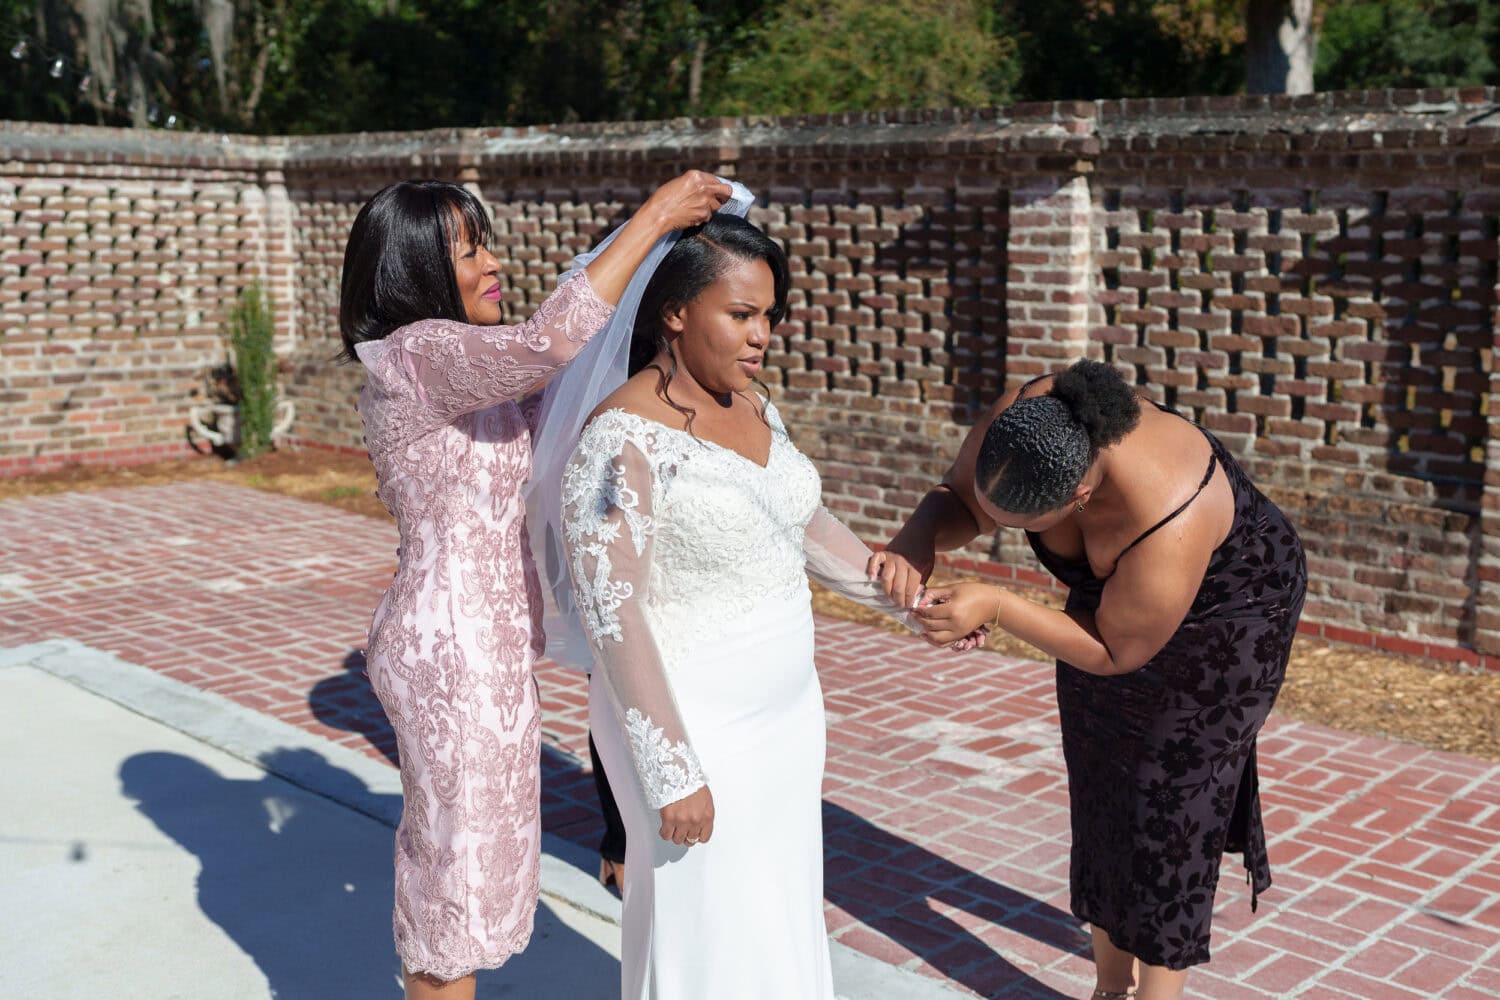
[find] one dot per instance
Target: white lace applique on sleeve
(836, 558)
(607, 504)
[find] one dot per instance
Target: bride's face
(721, 336)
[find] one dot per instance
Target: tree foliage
(1407, 43)
(1104, 49)
(821, 56)
(317, 66)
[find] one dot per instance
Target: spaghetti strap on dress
(1213, 465)
(1161, 761)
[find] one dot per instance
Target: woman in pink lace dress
(453, 640)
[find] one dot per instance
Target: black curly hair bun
(1100, 400)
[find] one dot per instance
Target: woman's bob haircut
(398, 265)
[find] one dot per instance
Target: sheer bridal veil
(597, 371)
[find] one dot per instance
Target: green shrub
(252, 330)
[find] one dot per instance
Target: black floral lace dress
(1161, 761)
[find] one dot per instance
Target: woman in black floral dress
(1186, 584)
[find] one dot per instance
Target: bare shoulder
(1170, 466)
(636, 396)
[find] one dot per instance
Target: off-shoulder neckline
(776, 434)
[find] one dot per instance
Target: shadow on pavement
(304, 886)
(879, 878)
(885, 882)
(345, 701)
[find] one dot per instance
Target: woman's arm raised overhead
(681, 202)
(458, 368)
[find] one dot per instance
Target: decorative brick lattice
(895, 329)
(1330, 319)
(1313, 279)
(113, 287)
(1338, 327)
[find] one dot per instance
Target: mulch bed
(1432, 704)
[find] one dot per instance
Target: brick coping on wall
(1348, 119)
(22, 465)
(326, 446)
(27, 465)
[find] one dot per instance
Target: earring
(1080, 507)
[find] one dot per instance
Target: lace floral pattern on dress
(669, 771)
(610, 532)
(452, 644)
(592, 534)
(670, 539)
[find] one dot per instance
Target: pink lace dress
(453, 640)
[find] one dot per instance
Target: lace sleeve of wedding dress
(609, 530)
(836, 558)
(458, 368)
(570, 398)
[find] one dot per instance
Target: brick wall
(117, 259)
(1312, 278)
(1316, 284)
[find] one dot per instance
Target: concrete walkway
(945, 799)
(148, 863)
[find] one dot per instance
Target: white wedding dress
(690, 566)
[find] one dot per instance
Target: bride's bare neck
(652, 391)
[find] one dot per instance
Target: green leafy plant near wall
(252, 329)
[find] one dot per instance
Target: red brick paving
(945, 797)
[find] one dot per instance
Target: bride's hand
(973, 640)
(690, 820)
(901, 570)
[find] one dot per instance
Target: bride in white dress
(692, 524)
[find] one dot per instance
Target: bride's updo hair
(1036, 453)
(697, 260)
